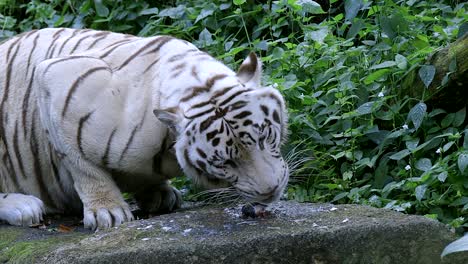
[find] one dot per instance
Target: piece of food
(254, 210)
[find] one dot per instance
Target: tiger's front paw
(162, 198)
(20, 209)
(102, 216)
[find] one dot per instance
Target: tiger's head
(233, 136)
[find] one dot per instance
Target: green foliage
(340, 70)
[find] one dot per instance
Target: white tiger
(87, 114)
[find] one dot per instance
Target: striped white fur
(78, 125)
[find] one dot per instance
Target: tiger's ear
(170, 117)
(250, 71)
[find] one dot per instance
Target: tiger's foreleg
(103, 204)
(20, 209)
(73, 112)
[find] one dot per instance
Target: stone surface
(293, 233)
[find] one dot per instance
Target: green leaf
(205, 37)
(417, 113)
(310, 6)
(465, 140)
(365, 108)
(317, 35)
(412, 144)
(375, 75)
(426, 73)
(448, 120)
(400, 154)
(401, 62)
(347, 175)
(456, 246)
(420, 191)
(101, 9)
(203, 14)
(459, 118)
(442, 176)
(339, 196)
(173, 12)
(463, 161)
(149, 11)
(424, 164)
(357, 26)
(447, 146)
(238, 2)
(352, 8)
(462, 30)
(385, 64)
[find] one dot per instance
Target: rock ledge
(294, 233)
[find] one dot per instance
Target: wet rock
(291, 233)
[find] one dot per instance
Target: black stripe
(211, 81)
(6, 91)
(129, 141)
(212, 134)
(66, 41)
(99, 36)
(10, 174)
(105, 157)
(52, 50)
(10, 48)
(215, 142)
(236, 105)
(114, 46)
(75, 85)
(179, 66)
(79, 132)
(39, 176)
(197, 90)
(204, 125)
(55, 170)
(200, 104)
(201, 165)
(201, 113)
(234, 96)
(165, 39)
(160, 41)
(30, 33)
(132, 135)
(201, 153)
(67, 58)
(78, 43)
(181, 56)
(242, 114)
(276, 117)
(8, 70)
(151, 65)
(176, 74)
(221, 92)
(194, 73)
(278, 101)
(17, 152)
(30, 55)
(55, 37)
(26, 97)
(264, 109)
